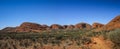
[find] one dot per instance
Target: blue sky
(13, 13)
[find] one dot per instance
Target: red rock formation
(65, 26)
(83, 26)
(70, 27)
(113, 24)
(29, 27)
(9, 29)
(56, 26)
(97, 25)
(33, 27)
(45, 27)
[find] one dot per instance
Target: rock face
(65, 26)
(9, 29)
(56, 26)
(29, 27)
(34, 27)
(44, 27)
(70, 27)
(97, 25)
(83, 26)
(113, 24)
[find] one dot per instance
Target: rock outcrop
(9, 29)
(65, 26)
(83, 26)
(29, 27)
(113, 24)
(70, 27)
(45, 27)
(97, 25)
(56, 26)
(34, 27)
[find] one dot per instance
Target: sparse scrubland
(58, 39)
(79, 36)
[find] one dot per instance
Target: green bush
(114, 36)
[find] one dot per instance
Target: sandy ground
(100, 43)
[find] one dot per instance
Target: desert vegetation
(114, 36)
(80, 36)
(62, 38)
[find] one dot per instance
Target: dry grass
(56, 39)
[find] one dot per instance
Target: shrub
(59, 36)
(114, 36)
(86, 40)
(104, 34)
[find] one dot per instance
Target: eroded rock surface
(83, 26)
(29, 27)
(113, 24)
(97, 25)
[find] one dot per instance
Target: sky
(63, 12)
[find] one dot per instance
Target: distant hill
(34, 27)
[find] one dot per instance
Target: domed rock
(70, 27)
(56, 26)
(97, 25)
(45, 27)
(65, 26)
(28, 27)
(83, 26)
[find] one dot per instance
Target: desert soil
(100, 43)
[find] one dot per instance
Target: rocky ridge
(34, 27)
